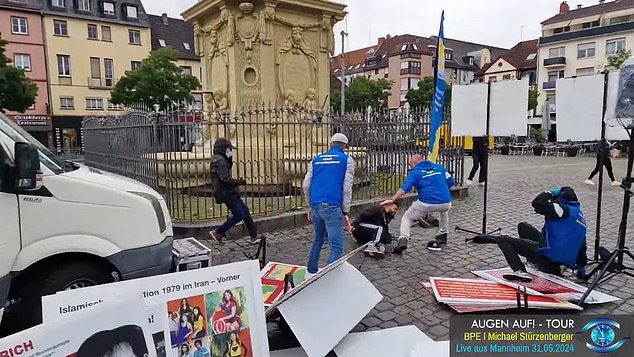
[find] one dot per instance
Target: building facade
(21, 26)
(90, 44)
(578, 42)
(518, 63)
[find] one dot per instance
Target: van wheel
(47, 281)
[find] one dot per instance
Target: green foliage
(159, 81)
(538, 135)
(362, 93)
(618, 59)
(423, 96)
(17, 92)
(533, 96)
(335, 101)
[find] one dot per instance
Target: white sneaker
(469, 182)
(309, 275)
(589, 182)
(481, 184)
(616, 183)
(371, 250)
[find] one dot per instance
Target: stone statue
(327, 36)
(296, 45)
(289, 99)
(219, 101)
(248, 27)
(266, 25)
(217, 48)
(310, 102)
(199, 37)
(227, 17)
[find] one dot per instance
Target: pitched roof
(518, 57)
(353, 59)
(463, 48)
(590, 11)
(175, 33)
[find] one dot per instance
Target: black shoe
(519, 275)
(483, 239)
(441, 238)
(434, 246)
(401, 246)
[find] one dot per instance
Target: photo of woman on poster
(229, 305)
(125, 341)
(199, 324)
(235, 347)
(185, 351)
(187, 320)
(185, 309)
(185, 331)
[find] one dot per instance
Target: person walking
(226, 192)
(603, 159)
(328, 188)
(479, 153)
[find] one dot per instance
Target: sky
(501, 23)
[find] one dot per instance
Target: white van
(66, 226)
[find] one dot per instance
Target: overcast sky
(500, 23)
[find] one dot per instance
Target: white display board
(405, 341)
(612, 130)
(323, 313)
(114, 329)
(469, 110)
(579, 108)
(509, 108)
(228, 299)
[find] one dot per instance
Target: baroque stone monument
(255, 52)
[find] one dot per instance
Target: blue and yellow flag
(438, 104)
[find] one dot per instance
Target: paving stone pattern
(514, 182)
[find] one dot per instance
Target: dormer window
(448, 55)
(531, 57)
(108, 8)
(131, 12)
(404, 47)
(186, 46)
(162, 42)
(415, 46)
(83, 5)
(58, 3)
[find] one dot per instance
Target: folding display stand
(260, 254)
(486, 176)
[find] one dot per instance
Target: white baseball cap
(340, 138)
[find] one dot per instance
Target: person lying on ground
(372, 226)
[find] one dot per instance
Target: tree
(617, 60)
(335, 101)
(422, 97)
(17, 92)
(363, 92)
(533, 95)
(159, 81)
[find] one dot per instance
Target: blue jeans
(240, 212)
(328, 223)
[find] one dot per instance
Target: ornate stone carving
(200, 40)
(310, 100)
(227, 17)
(267, 17)
(297, 64)
(247, 27)
(327, 35)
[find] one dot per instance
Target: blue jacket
(329, 179)
(432, 183)
(564, 237)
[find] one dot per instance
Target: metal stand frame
(260, 254)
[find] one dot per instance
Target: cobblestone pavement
(514, 182)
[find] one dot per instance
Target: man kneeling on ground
(372, 226)
(562, 240)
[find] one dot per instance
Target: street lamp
(343, 71)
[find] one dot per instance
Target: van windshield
(17, 134)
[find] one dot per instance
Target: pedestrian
(603, 159)
(226, 192)
(433, 184)
(328, 188)
(479, 153)
(372, 226)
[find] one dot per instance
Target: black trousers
(603, 161)
(364, 233)
(528, 247)
(479, 162)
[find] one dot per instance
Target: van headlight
(157, 208)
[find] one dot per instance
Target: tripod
(614, 266)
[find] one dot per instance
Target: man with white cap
(328, 188)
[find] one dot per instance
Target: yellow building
(90, 45)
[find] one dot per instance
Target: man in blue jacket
(433, 184)
(328, 188)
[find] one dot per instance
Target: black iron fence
(172, 153)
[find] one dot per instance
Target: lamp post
(343, 71)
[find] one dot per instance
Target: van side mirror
(27, 166)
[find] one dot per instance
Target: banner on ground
(549, 285)
(208, 311)
(273, 280)
(114, 329)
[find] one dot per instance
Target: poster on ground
(463, 309)
(96, 332)
(273, 275)
(404, 341)
(482, 292)
(210, 311)
(547, 284)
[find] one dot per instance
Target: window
(162, 42)
(586, 50)
(94, 103)
(404, 47)
(493, 79)
(108, 71)
(531, 57)
(613, 47)
(58, 3)
(134, 65)
(562, 29)
(131, 12)
(376, 71)
(588, 25)
(112, 106)
(619, 20)
(187, 70)
(557, 52)
(135, 37)
(108, 8)
(19, 26)
(67, 102)
(106, 34)
(404, 84)
(404, 65)
(83, 5)
(63, 65)
(413, 64)
(448, 55)
(506, 77)
(554, 75)
(93, 33)
(585, 71)
(186, 45)
(22, 61)
(198, 101)
(60, 27)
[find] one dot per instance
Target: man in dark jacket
(479, 153)
(603, 159)
(372, 225)
(562, 240)
(226, 192)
